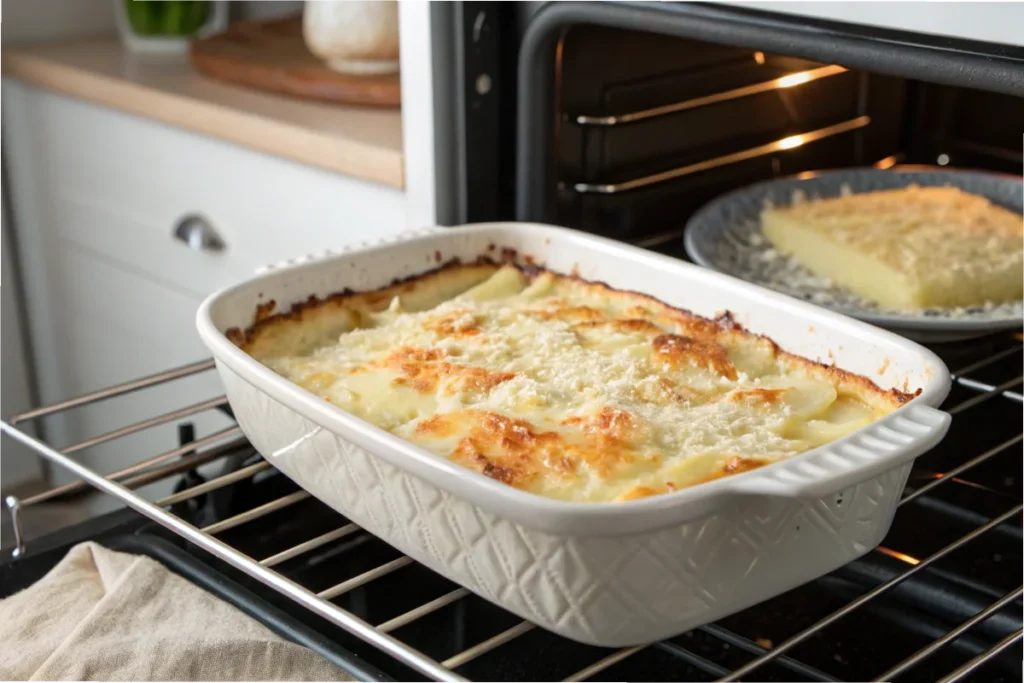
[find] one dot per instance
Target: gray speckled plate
(725, 235)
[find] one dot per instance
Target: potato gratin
(914, 248)
(561, 387)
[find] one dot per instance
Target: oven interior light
(887, 162)
(759, 57)
(794, 79)
(791, 142)
(903, 557)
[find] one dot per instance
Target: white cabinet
(110, 292)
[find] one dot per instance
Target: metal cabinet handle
(198, 234)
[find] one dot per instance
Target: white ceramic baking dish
(605, 574)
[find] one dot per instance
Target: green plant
(170, 18)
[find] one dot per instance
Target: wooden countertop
(361, 142)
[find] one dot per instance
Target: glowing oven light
(887, 162)
(791, 142)
(794, 79)
(909, 559)
(903, 557)
(759, 57)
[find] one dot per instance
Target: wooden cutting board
(272, 55)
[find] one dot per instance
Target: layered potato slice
(561, 387)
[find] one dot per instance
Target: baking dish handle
(888, 443)
(329, 253)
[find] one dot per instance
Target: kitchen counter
(362, 142)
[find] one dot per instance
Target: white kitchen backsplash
(265, 9)
(33, 20)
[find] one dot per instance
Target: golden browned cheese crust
(561, 387)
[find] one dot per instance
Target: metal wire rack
(781, 81)
(976, 386)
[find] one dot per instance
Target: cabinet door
(129, 182)
(111, 293)
(120, 326)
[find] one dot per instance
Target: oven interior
(650, 127)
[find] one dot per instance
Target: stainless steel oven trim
(941, 61)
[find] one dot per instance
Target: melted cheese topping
(575, 392)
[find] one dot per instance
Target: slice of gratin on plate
(907, 249)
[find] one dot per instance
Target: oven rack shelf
(121, 485)
(788, 80)
(781, 81)
(766, 149)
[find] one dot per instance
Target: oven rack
(791, 79)
(766, 149)
(120, 485)
(788, 80)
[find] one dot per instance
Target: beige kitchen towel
(110, 616)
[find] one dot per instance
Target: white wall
(265, 9)
(34, 20)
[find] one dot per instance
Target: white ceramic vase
(358, 38)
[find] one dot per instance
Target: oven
(622, 119)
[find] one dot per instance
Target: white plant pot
(359, 38)
(168, 45)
